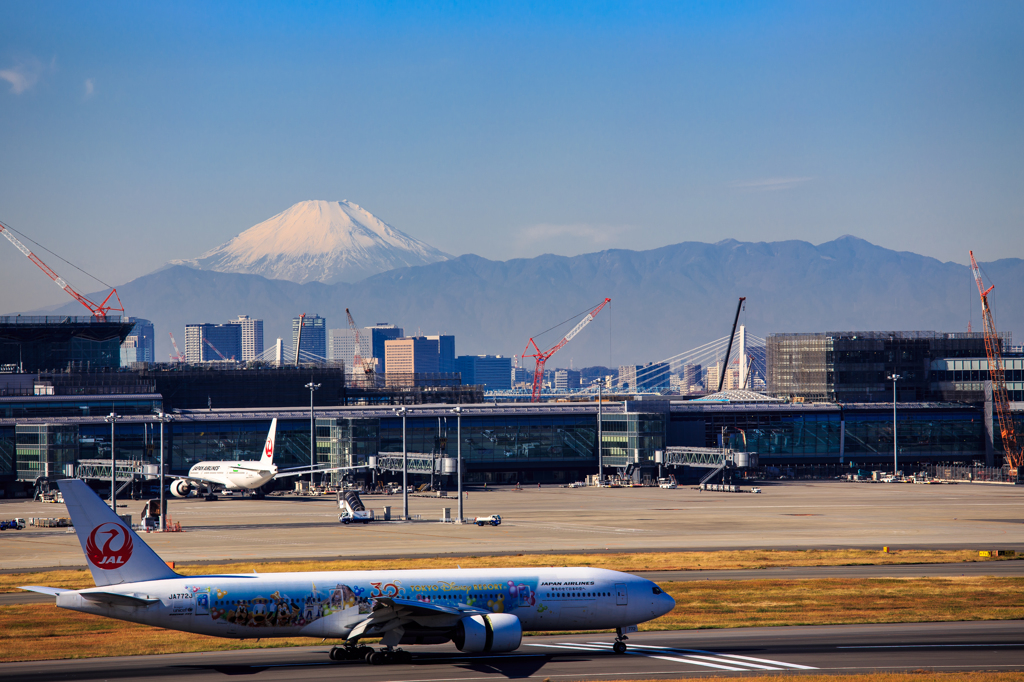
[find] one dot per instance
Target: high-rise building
(252, 337)
(711, 377)
(691, 376)
(493, 372)
(446, 353)
(627, 377)
(411, 355)
(213, 342)
(378, 335)
(314, 338)
(140, 344)
(341, 346)
(567, 380)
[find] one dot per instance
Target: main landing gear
(352, 652)
(620, 645)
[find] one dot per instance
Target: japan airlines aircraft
(252, 475)
(480, 610)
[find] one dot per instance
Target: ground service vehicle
(492, 520)
(482, 611)
(352, 508)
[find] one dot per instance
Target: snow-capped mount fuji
(318, 241)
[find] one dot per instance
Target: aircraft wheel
(344, 520)
(361, 652)
(211, 498)
(403, 657)
(336, 654)
(619, 647)
(378, 658)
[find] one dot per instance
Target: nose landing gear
(620, 645)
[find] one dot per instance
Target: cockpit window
(656, 589)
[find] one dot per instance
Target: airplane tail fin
(268, 449)
(114, 552)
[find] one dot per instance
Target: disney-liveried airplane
(480, 610)
(252, 475)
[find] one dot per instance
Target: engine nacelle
(181, 488)
(490, 633)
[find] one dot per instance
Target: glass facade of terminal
(631, 438)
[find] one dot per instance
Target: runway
(989, 645)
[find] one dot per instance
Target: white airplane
(250, 475)
(480, 610)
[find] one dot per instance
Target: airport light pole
(112, 418)
(894, 377)
(600, 418)
(312, 432)
(402, 412)
(162, 418)
(458, 454)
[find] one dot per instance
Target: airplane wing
(389, 613)
(42, 589)
(302, 471)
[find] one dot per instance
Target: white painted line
(749, 665)
(730, 656)
(923, 646)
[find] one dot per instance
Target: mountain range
(664, 301)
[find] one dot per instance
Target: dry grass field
(916, 676)
(628, 562)
(42, 631)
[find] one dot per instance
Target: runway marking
(601, 646)
(922, 646)
(740, 661)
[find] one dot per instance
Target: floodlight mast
(98, 311)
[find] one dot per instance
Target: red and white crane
(98, 311)
(542, 356)
(177, 357)
(997, 373)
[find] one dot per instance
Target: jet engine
(181, 488)
(490, 633)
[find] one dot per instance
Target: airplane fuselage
(233, 475)
(330, 604)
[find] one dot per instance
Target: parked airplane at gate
(254, 475)
(480, 610)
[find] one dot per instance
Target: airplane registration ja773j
(480, 610)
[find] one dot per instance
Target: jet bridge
(131, 472)
(716, 461)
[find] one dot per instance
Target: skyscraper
(446, 353)
(341, 345)
(314, 338)
(252, 337)
(378, 335)
(213, 342)
(493, 372)
(140, 345)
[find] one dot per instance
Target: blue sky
(136, 133)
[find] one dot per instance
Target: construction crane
(542, 356)
(98, 311)
(996, 372)
(298, 339)
(358, 362)
(210, 344)
(177, 357)
(728, 351)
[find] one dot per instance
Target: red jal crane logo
(269, 449)
(114, 553)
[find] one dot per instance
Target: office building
(313, 346)
(379, 334)
(32, 344)
(140, 345)
(492, 372)
(446, 353)
(213, 342)
(341, 347)
(252, 337)
(411, 355)
(567, 380)
(855, 367)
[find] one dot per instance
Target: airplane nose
(668, 603)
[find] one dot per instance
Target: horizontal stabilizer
(43, 589)
(118, 599)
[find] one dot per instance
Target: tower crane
(177, 357)
(363, 364)
(993, 349)
(99, 311)
(210, 344)
(542, 356)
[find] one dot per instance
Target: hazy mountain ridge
(664, 300)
